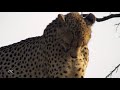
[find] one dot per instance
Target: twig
(117, 26)
(112, 71)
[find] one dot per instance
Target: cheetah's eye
(77, 33)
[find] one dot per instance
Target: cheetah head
(76, 31)
(71, 30)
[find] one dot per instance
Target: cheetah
(61, 52)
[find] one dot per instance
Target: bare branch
(112, 71)
(117, 26)
(105, 18)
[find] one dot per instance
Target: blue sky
(104, 45)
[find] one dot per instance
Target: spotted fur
(61, 52)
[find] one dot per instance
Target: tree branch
(112, 71)
(105, 18)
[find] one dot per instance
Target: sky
(104, 46)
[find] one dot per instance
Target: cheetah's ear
(62, 29)
(61, 17)
(90, 19)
